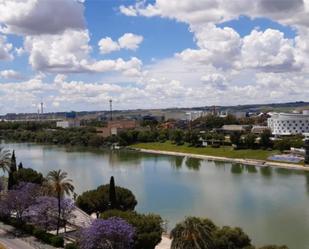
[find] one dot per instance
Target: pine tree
(13, 169)
(112, 193)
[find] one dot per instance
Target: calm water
(271, 205)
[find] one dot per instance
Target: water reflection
(236, 168)
(266, 171)
(176, 161)
(251, 169)
(193, 163)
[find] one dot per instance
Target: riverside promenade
(253, 162)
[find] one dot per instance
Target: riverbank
(151, 148)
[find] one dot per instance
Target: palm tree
(192, 233)
(60, 185)
(5, 160)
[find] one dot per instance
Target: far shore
(253, 162)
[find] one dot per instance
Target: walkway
(11, 242)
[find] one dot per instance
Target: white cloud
(127, 41)
(33, 17)
(5, 49)
(107, 45)
(10, 74)
(69, 52)
(130, 41)
(268, 50)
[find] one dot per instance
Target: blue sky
(153, 54)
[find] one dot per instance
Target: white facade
(68, 124)
(288, 123)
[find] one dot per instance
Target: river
(271, 205)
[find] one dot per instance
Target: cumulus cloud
(69, 53)
(127, 41)
(34, 17)
(10, 74)
(5, 49)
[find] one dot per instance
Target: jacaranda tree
(113, 233)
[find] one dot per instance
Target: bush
(71, 246)
(56, 241)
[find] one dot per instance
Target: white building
(68, 123)
(289, 123)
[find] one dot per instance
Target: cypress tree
(112, 193)
(13, 169)
(20, 166)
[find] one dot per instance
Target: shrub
(71, 246)
(56, 241)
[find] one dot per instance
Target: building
(116, 126)
(68, 123)
(289, 123)
(235, 128)
(258, 129)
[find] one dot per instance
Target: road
(10, 242)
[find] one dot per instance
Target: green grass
(226, 151)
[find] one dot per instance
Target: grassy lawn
(220, 152)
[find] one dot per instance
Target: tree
(19, 199)
(20, 166)
(249, 141)
(28, 175)
(13, 169)
(233, 238)
(148, 227)
(112, 193)
(4, 160)
(113, 233)
(61, 185)
(265, 139)
(177, 136)
(192, 233)
(235, 138)
(97, 201)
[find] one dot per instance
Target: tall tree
(13, 169)
(61, 185)
(112, 193)
(5, 160)
(20, 166)
(192, 233)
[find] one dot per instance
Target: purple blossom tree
(43, 213)
(19, 199)
(113, 233)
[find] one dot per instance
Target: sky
(79, 54)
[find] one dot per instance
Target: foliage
(148, 227)
(61, 185)
(233, 238)
(265, 141)
(13, 168)
(249, 141)
(105, 234)
(192, 233)
(19, 199)
(177, 137)
(287, 143)
(112, 194)
(5, 156)
(97, 201)
(28, 175)
(235, 138)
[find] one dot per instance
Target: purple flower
(113, 233)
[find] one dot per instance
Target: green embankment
(226, 151)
